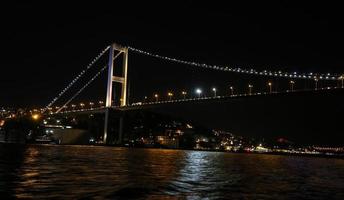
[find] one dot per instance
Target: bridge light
(232, 90)
(184, 94)
(250, 89)
(292, 85)
(170, 95)
(199, 92)
(156, 97)
(342, 78)
(214, 90)
(270, 86)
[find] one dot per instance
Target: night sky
(45, 45)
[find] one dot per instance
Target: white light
(198, 91)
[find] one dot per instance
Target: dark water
(86, 172)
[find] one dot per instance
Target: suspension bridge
(118, 74)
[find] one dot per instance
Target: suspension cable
(314, 76)
(83, 88)
(77, 78)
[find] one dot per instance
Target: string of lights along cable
(77, 77)
(280, 73)
(82, 89)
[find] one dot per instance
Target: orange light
(36, 116)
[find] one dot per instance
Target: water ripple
(89, 172)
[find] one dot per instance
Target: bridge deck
(143, 105)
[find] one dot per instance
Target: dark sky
(45, 45)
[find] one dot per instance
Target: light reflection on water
(90, 172)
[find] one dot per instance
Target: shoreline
(319, 155)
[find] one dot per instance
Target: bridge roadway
(146, 105)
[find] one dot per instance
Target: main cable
(280, 73)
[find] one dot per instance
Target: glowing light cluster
(327, 76)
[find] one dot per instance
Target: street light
(316, 83)
(101, 103)
(199, 92)
(232, 90)
(170, 95)
(73, 106)
(292, 85)
(342, 78)
(214, 90)
(184, 94)
(82, 105)
(270, 87)
(91, 104)
(250, 89)
(145, 99)
(156, 97)
(35, 116)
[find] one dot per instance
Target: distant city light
(36, 116)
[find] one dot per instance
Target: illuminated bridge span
(117, 52)
(141, 105)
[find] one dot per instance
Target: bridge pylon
(115, 52)
(119, 79)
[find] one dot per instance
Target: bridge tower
(116, 51)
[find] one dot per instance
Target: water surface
(94, 172)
